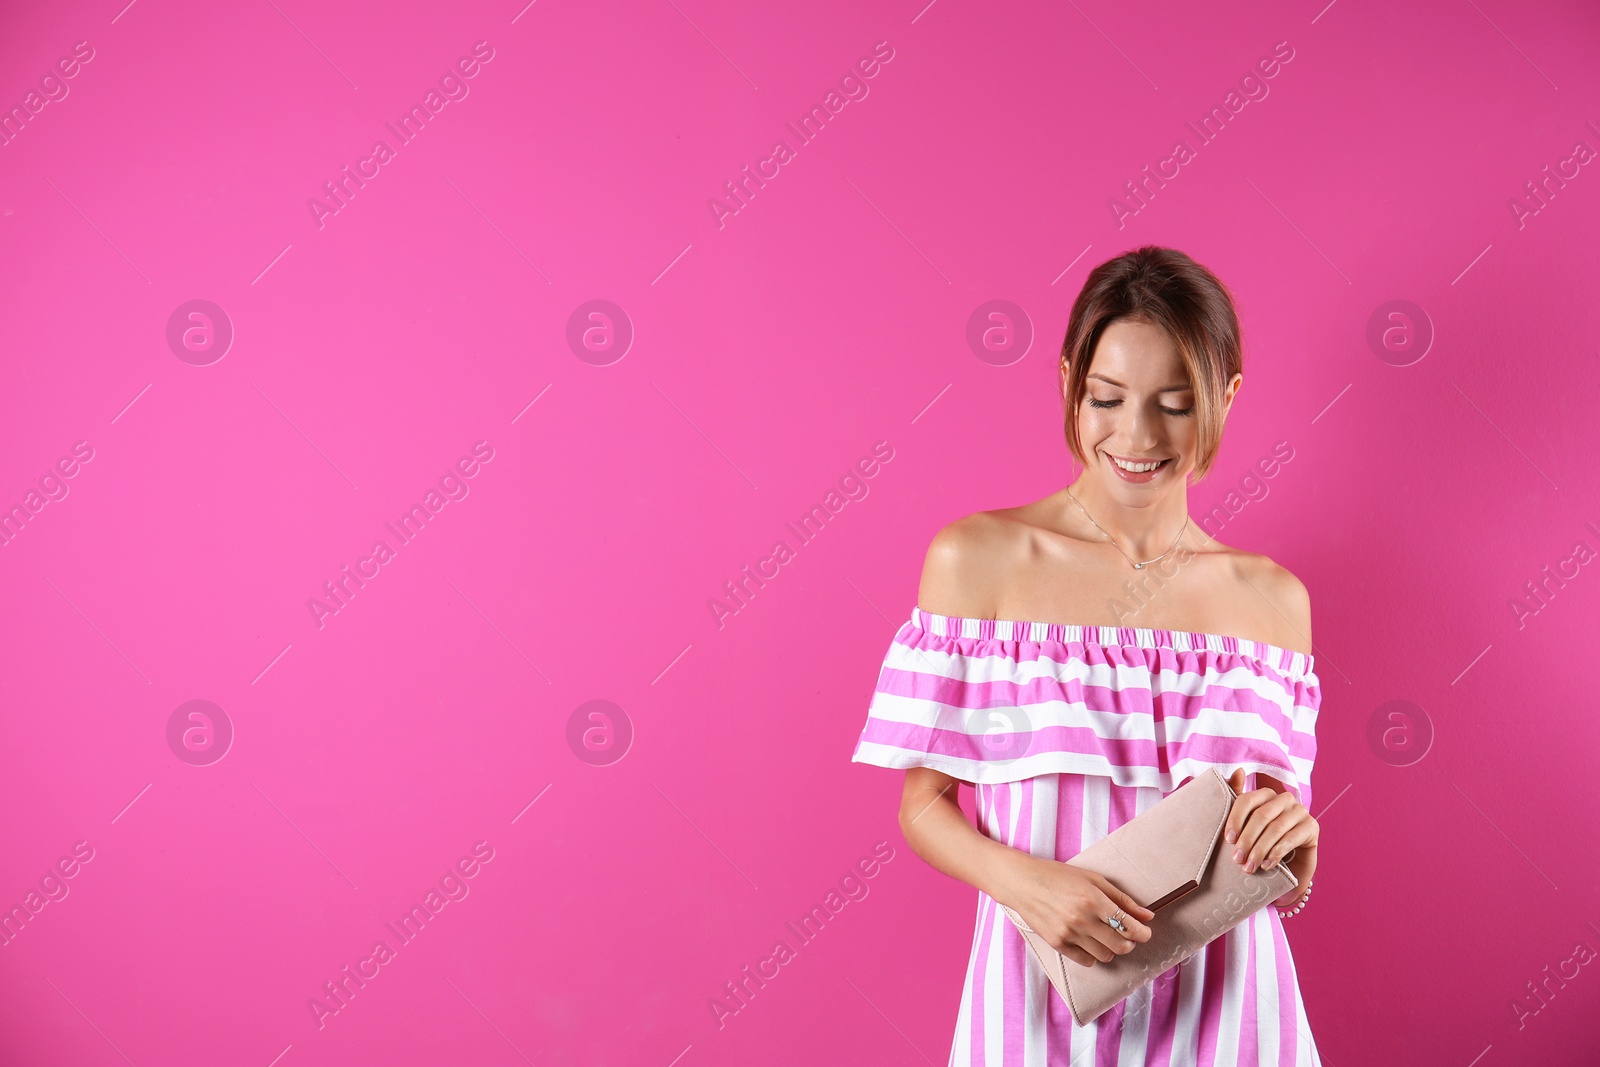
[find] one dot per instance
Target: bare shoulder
(965, 564)
(1287, 613)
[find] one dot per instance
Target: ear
(1231, 391)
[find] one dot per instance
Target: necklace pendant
(1138, 566)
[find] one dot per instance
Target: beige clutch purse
(1166, 858)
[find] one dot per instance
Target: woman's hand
(1264, 824)
(1068, 907)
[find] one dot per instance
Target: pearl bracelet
(1282, 914)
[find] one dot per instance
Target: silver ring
(1116, 922)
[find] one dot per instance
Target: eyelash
(1113, 403)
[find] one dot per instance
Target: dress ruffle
(989, 701)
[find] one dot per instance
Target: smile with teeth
(1137, 468)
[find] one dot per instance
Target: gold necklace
(1136, 564)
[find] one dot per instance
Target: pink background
(374, 751)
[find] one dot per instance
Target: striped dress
(1067, 732)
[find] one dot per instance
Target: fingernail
(1249, 866)
(1232, 835)
(1238, 855)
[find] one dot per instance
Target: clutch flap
(1162, 855)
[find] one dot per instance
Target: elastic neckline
(1297, 665)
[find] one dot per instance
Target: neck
(1144, 530)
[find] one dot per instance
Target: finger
(1111, 889)
(1104, 942)
(1258, 811)
(1091, 950)
(1084, 948)
(1080, 957)
(1239, 810)
(1275, 840)
(1264, 830)
(1237, 813)
(1121, 899)
(1134, 916)
(1068, 946)
(1284, 851)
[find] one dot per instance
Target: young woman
(1080, 657)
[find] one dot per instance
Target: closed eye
(1113, 403)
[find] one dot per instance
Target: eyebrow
(1184, 388)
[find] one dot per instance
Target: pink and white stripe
(1068, 732)
(991, 701)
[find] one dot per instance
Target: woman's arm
(939, 831)
(1067, 905)
(1265, 827)
(963, 565)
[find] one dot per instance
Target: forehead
(1139, 355)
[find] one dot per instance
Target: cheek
(1182, 433)
(1095, 424)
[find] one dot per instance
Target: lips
(1137, 477)
(1125, 462)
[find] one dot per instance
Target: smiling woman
(1025, 673)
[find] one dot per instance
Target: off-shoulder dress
(1067, 732)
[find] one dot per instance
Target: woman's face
(1138, 407)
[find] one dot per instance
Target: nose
(1141, 430)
